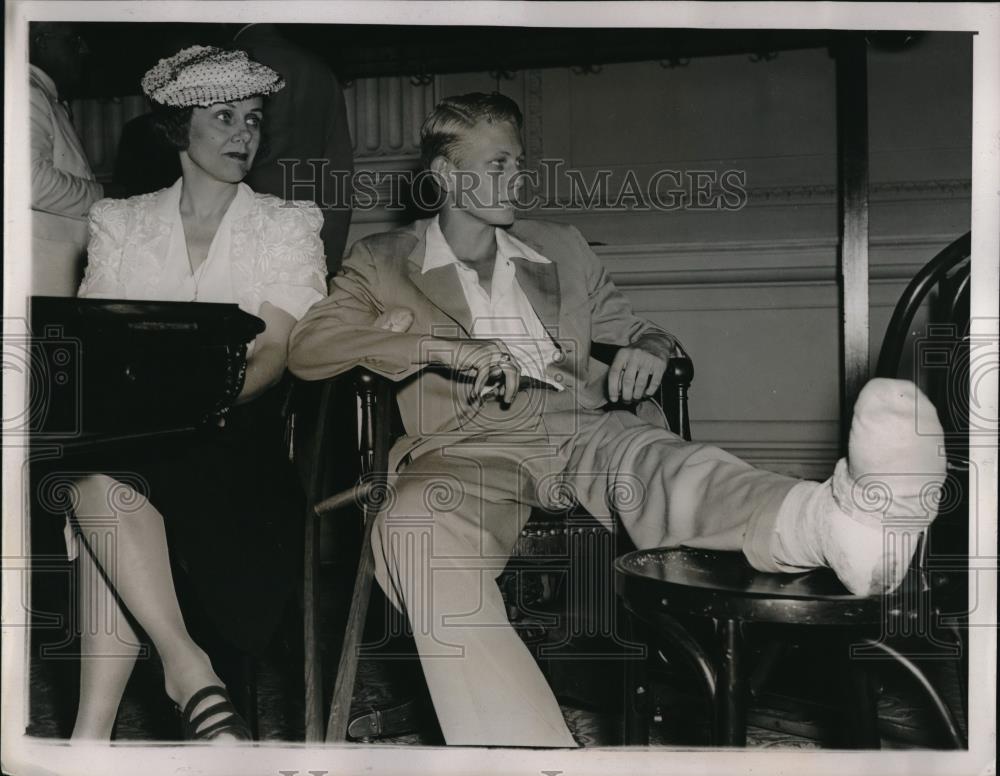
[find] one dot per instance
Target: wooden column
(852, 157)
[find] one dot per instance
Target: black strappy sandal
(231, 722)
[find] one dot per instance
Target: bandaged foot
(865, 522)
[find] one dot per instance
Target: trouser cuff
(759, 539)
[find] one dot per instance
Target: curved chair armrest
(674, 395)
(374, 393)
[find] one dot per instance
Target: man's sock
(865, 521)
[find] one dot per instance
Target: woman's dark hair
(173, 125)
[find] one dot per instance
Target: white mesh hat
(205, 75)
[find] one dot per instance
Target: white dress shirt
(505, 313)
(61, 179)
(212, 281)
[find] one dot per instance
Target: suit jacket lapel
(540, 283)
(441, 286)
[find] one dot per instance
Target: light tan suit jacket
(572, 295)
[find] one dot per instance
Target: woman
(226, 507)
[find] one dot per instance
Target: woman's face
(224, 137)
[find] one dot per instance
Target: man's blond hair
(442, 130)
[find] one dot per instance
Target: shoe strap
(224, 706)
(232, 724)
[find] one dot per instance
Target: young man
(502, 406)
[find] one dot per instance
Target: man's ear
(441, 168)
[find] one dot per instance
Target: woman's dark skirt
(233, 507)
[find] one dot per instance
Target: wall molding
(789, 196)
(760, 262)
(807, 449)
(887, 191)
(805, 460)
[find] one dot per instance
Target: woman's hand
(266, 364)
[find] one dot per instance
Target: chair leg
(313, 667)
(861, 706)
(312, 659)
(250, 691)
(671, 631)
(962, 667)
(948, 720)
(732, 693)
(636, 689)
(347, 669)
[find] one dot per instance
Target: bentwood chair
(669, 590)
(538, 567)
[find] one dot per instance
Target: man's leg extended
(447, 534)
(863, 522)
(667, 491)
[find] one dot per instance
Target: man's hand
(638, 368)
(496, 372)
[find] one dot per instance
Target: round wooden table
(657, 585)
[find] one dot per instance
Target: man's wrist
(448, 351)
(662, 345)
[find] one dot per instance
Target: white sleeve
(106, 227)
(296, 277)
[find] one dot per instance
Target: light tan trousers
(455, 515)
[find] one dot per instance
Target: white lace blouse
(265, 250)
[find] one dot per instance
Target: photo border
(24, 755)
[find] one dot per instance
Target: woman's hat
(205, 75)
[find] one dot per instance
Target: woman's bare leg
(125, 533)
(109, 648)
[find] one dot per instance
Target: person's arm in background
(54, 190)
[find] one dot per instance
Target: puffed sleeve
(296, 269)
(106, 226)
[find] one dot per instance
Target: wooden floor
(791, 714)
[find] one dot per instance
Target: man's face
(484, 180)
(224, 137)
